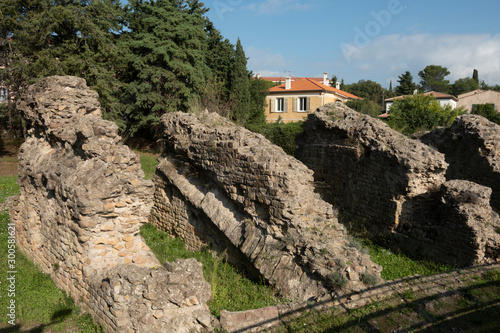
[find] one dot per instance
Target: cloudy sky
(364, 39)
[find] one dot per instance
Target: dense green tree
(475, 76)
(258, 92)
(367, 89)
(342, 85)
(70, 37)
(488, 111)
(464, 85)
(406, 84)
(166, 67)
(390, 86)
(432, 79)
(334, 81)
(365, 106)
(219, 56)
(420, 113)
(240, 86)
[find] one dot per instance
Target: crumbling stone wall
(454, 224)
(471, 148)
(82, 201)
(387, 185)
(221, 185)
(365, 168)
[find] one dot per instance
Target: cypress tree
(475, 76)
(240, 86)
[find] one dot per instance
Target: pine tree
(240, 86)
(406, 84)
(166, 68)
(432, 78)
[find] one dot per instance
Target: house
(281, 79)
(294, 99)
(469, 99)
(443, 99)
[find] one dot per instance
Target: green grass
(230, 289)
(148, 163)
(397, 266)
(8, 187)
(39, 303)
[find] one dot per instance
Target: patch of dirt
(9, 148)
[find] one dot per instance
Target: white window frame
(280, 104)
(302, 107)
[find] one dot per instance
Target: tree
(475, 76)
(432, 79)
(258, 93)
(487, 111)
(390, 86)
(72, 37)
(240, 86)
(464, 85)
(165, 67)
(420, 113)
(334, 81)
(367, 89)
(365, 106)
(406, 84)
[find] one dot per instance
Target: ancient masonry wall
(389, 186)
(82, 201)
(471, 148)
(365, 168)
(220, 185)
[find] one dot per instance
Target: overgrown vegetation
(148, 163)
(487, 111)
(230, 289)
(281, 134)
(417, 113)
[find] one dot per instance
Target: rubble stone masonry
(82, 201)
(223, 186)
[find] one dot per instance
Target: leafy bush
(416, 113)
(487, 111)
(281, 134)
(365, 106)
(337, 279)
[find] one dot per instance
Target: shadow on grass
(57, 317)
(433, 305)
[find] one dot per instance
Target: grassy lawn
(40, 306)
(230, 289)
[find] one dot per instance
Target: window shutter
(272, 101)
(308, 104)
(285, 104)
(294, 104)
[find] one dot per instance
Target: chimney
(288, 83)
(258, 76)
(326, 82)
(337, 85)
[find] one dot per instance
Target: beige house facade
(296, 98)
(479, 96)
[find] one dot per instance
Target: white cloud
(264, 62)
(278, 6)
(460, 53)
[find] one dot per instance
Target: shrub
(337, 280)
(416, 113)
(280, 134)
(487, 111)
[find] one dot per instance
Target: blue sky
(364, 39)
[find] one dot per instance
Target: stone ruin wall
(389, 186)
(220, 185)
(82, 201)
(471, 148)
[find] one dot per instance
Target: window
(302, 104)
(280, 104)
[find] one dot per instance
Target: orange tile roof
(307, 84)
